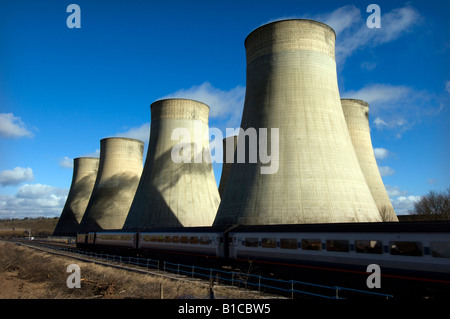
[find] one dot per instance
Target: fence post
(292, 289)
(259, 283)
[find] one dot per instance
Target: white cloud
(16, 176)
(33, 200)
(395, 191)
(66, 162)
(396, 107)
(381, 93)
(386, 171)
(398, 123)
(12, 127)
(403, 204)
(447, 86)
(222, 103)
(352, 33)
(401, 201)
(381, 153)
(141, 133)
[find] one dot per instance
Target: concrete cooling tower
(356, 114)
(226, 166)
(178, 187)
(120, 168)
(83, 180)
(292, 85)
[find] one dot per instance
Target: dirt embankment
(26, 273)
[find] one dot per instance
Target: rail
(291, 288)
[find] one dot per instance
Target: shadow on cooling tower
(167, 174)
(113, 193)
(69, 223)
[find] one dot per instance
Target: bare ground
(26, 273)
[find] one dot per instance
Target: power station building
(292, 85)
(356, 114)
(303, 154)
(120, 168)
(83, 180)
(177, 187)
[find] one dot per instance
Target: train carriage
(408, 252)
(195, 242)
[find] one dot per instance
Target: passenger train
(411, 255)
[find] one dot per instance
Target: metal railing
(289, 288)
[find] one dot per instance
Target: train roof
(400, 227)
(378, 227)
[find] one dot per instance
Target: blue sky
(62, 89)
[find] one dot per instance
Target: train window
(269, 242)
(251, 242)
(160, 239)
(288, 243)
(441, 250)
(204, 240)
(176, 239)
(311, 244)
(153, 238)
(193, 240)
(337, 245)
(184, 239)
(406, 248)
(369, 246)
(168, 239)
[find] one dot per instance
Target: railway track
(144, 266)
(261, 285)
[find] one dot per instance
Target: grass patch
(32, 274)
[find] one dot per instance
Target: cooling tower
(83, 180)
(120, 168)
(356, 114)
(226, 166)
(175, 191)
(292, 85)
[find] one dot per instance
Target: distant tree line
(29, 218)
(433, 206)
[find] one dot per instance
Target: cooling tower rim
(86, 157)
(121, 138)
(286, 20)
(180, 99)
(359, 101)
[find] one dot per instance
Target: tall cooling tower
(292, 86)
(176, 191)
(357, 117)
(226, 166)
(83, 180)
(118, 176)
